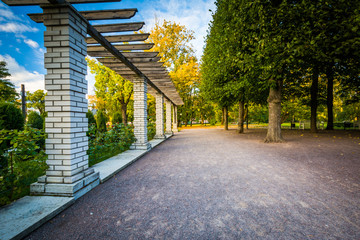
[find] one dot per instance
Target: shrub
(35, 120)
(10, 117)
(26, 162)
(91, 118)
(110, 143)
(101, 121)
(117, 118)
(151, 130)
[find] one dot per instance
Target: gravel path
(212, 184)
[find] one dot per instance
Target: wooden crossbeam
(122, 47)
(126, 54)
(115, 62)
(150, 76)
(94, 15)
(38, 2)
(121, 38)
(155, 69)
(151, 72)
(109, 14)
(119, 27)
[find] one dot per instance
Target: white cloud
(15, 27)
(195, 15)
(18, 50)
(19, 75)
(6, 13)
(90, 77)
(31, 43)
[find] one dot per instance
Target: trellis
(69, 37)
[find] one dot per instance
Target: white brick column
(175, 129)
(168, 117)
(66, 125)
(140, 115)
(159, 107)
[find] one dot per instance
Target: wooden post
(23, 101)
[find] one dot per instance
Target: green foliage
(151, 130)
(91, 118)
(117, 118)
(37, 100)
(10, 117)
(35, 120)
(113, 92)
(107, 144)
(7, 89)
(101, 121)
(26, 161)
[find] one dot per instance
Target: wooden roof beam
(38, 2)
(121, 38)
(126, 54)
(94, 15)
(135, 60)
(119, 27)
(122, 47)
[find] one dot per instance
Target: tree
(172, 41)
(186, 79)
(11, 117)
(36, 100)
(101, 121)
(112, 90)
(35, 120)
(7, 89)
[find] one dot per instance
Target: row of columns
(140, 116)
(66, 104)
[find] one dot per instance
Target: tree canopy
(7, 89)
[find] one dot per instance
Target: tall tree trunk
(274, 100)
(223, 116)
(330, 98)
(247, 116)
(314, 102)
(123, 113)
(241, 117)
(226, 118)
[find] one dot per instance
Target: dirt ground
(216, 184)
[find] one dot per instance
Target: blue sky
(21, 39)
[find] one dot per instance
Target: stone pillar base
(169, 133)
(75, 189)
(138, 146)
(159, 137)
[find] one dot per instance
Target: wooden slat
(141, 68)
(116, 62)
(94, 15)
(109, 14)
(126, 54)
(122, 38)
(150, 76)
(38, 2)
(127, 72)
(119, 27)
(123, 47)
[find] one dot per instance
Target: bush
(26, 162)
(101, 121)
(117, 118)
(151, 130)
(35, 120)
(91, 118)
(107, 144)
(10, 117)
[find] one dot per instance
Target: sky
(21, 39)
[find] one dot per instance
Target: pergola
(68, 38)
